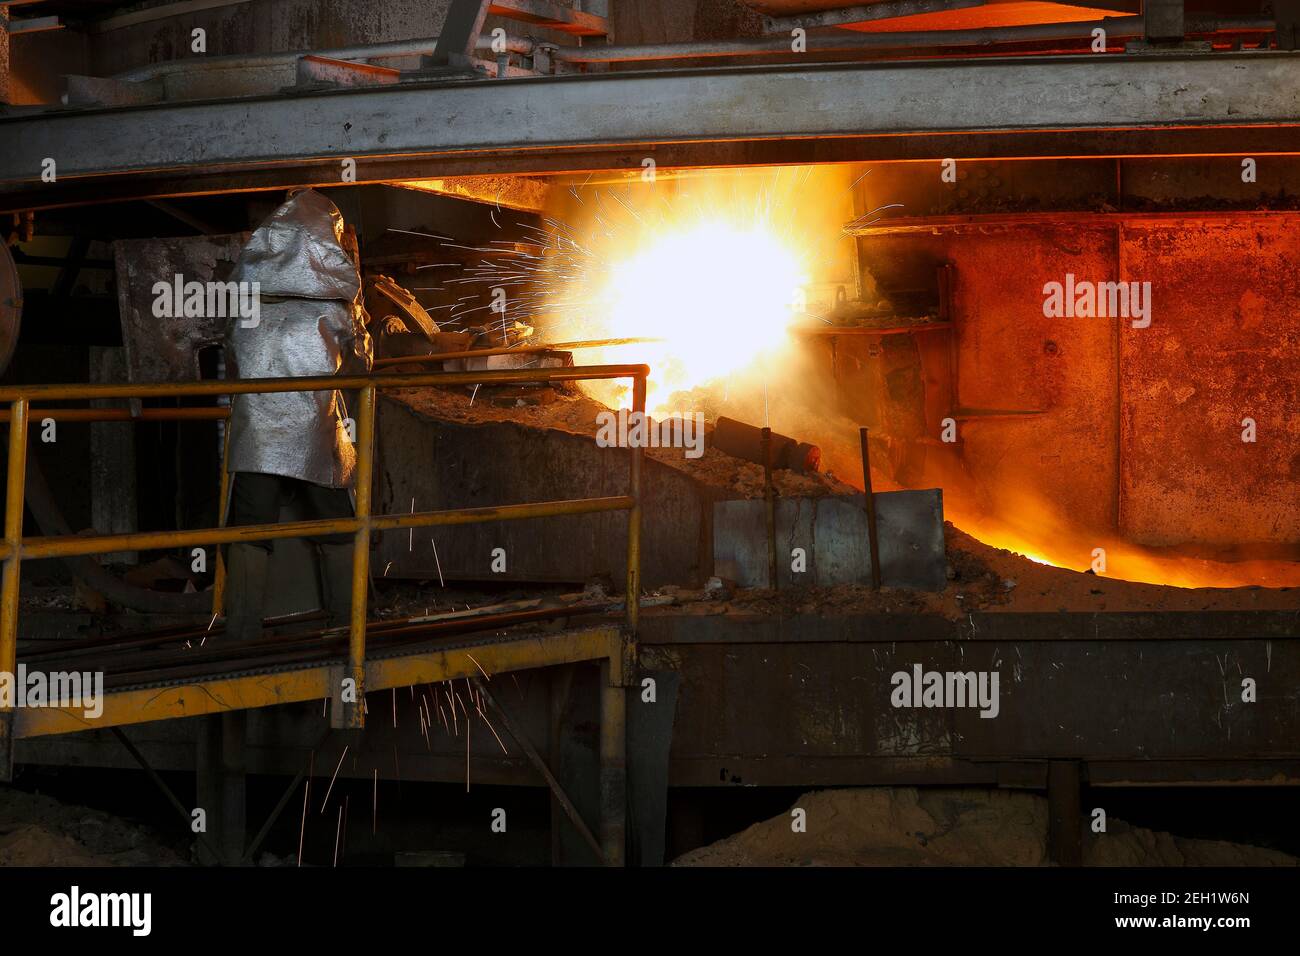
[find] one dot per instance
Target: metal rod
(636, 460)
(124, 414)
(1126, 27)
(507, 350)
(539, 764)
(65, 546)
(161, 784)
(12, 572)
(870, 496)
(613, 768)
(284, 802)
(317, 646)
(219, 573)
(354, 712)
(769, 499)
(319, 383)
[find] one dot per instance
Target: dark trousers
(256, 499)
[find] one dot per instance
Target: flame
(720, 295)
(714, 265)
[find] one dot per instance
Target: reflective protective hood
(297, 252)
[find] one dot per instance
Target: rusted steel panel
(166, 349)
(1117, 701)
(832, 531)
(1056, 374)
(1221, 349)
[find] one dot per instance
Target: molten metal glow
(715, 264)
(1127, 562)
(719, 294)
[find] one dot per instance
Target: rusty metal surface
(1222, 347)
(166, 350)
(1139, 429)
(1008, 355)
(833, 533)
(1116, 701)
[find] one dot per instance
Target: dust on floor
(901, 826)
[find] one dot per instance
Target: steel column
(1064, 834)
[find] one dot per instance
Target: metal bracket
(458, 37)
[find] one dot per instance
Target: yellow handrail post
(14, 490)
(354, 712)
(634, 515)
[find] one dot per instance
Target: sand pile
(39, 831)
(901, 826)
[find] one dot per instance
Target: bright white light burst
(721, 296)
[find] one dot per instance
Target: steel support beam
(460, 32)
(222, 693)
(1064, 836)
(529, 124)
(1164, 20)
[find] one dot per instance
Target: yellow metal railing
(15, 547)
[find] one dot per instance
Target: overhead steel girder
(1220, 103)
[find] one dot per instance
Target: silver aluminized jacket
(311, 322)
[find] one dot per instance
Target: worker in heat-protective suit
(297, 445)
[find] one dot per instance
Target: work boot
(336, 583)
(246, 568)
